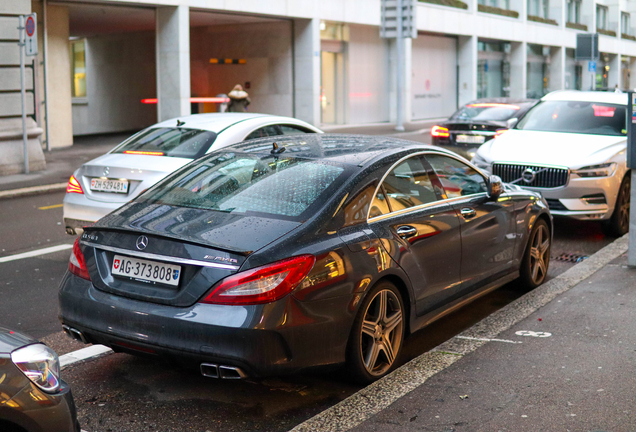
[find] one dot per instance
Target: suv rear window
(284, 187)
(488, 111)
(576, 117)
(175, 142)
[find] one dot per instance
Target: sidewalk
(61, 163)
(561, 358)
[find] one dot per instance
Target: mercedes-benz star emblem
(142, 242)
(528, 175)
(106, 171)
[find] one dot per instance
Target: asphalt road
(123, 393)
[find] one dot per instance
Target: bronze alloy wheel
(534, 268)
(381, 332)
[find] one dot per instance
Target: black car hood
(232, 232)
(11, 340)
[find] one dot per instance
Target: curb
(374, 398)
(33, 190)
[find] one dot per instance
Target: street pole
(400, 66)
(631, 163)
(21, 44)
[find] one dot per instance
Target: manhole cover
(568, 257)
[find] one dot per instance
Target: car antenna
(276, 149)
(180, 123)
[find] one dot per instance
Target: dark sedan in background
(478, 122)
(291, 252)
(33, 397)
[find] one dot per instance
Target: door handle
(406, 231)
(468, 213)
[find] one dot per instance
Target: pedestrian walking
(239, 99)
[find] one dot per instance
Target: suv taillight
(263, 284)
(77, 263)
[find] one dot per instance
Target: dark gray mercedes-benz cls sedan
(284, 253)
(33, 397)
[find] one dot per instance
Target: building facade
(117, 65)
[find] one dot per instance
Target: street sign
(591, 66)
(31, 35)
(391, 15)
(586, 47)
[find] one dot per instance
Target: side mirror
(495, 187)
(510, 123)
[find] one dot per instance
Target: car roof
(502, 100)
(587, 96)
(216, 122)
(360, 150)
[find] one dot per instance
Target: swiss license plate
(108, 185)
(470, 139)
(146, 271)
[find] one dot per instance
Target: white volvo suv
(570, 147)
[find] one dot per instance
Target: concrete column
(518, 69)
(307, 70)
(632, 80)
(173, 61)
(614, 73)
(407, 113)
(557, 69)
(467, 62)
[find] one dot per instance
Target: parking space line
(36, 252)
(83, 354)
(51, 207)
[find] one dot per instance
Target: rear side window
(266, 131)
(247, 183)
(294, 130)
(457, 178)
(175, 142)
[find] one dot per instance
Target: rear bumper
(262, 340)
(79, 211)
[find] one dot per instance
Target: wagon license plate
(470, 139)
(146, 271)
(108, 185)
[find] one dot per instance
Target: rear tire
(618, 225)
(377, 334)
(536, 259)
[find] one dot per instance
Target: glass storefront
(537, 72)
(493, 70)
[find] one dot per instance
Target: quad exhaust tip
(211, 370)
(74, 334)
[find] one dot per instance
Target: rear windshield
(283, 187)
(576, 117)
(175, 142)
(488, 111)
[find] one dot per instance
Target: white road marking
(83, 354)
(488, 340)
(533, 333)
(35, 253)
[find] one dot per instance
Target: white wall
(434, 79)
(120, 71)
(267, 49)
(368, 75)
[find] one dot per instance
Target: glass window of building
(574, 11)
(78, 68)
(625, 24)
(601, 17)
(539, 8)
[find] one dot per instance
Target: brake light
(73, 186)
(498, 132)
(145, 153)
(440, 132)
(263, 284)
(77, 263)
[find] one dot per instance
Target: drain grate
(568, 257)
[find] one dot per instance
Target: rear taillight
(262, 284)
(77, 263)
(73, 186)
(499, 132)
(439, 132)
